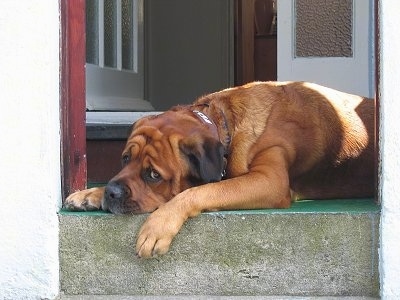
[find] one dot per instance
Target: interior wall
(189, 49)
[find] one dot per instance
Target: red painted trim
(377, 95)
(73, 104)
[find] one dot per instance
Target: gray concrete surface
(224, 254)
(108, 297)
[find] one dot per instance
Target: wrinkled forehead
(156, 121)
(167, 122)
(142, 121)
(147, 119)
(137, 128)
(150, 129)
(140, 136)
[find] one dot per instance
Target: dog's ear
(205, 156)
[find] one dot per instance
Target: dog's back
(331, 134)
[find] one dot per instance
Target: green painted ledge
(335, 206)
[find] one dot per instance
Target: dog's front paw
(157, 233)
(85, 200)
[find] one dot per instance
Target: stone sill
(315, 248)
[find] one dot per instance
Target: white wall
(29, 149)
(390, 150)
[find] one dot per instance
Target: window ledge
(107, 125)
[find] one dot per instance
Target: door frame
(72, 94)
(72, 91)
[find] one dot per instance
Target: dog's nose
(116, 192)
(118, 199)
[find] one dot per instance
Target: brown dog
(271, 142)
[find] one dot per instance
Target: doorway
(247, 30)
(181, 50)
(256, 30)
(150, 55)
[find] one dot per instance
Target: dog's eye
(125, 159)
(152, 175)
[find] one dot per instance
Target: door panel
(350, 70)
(115, 55)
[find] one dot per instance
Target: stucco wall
(29, 149)
(390, 150)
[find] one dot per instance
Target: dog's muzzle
(116, 198)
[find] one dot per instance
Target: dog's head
(164, 155)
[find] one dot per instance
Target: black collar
(211, 124)
(203, 117)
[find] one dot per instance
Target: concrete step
(315, 248)
(119, 297)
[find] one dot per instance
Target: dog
(261, 145)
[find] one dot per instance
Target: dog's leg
(89, 199)
(265, 186)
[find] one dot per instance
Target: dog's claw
(155, 237)
(150, 250)
(86, 200)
